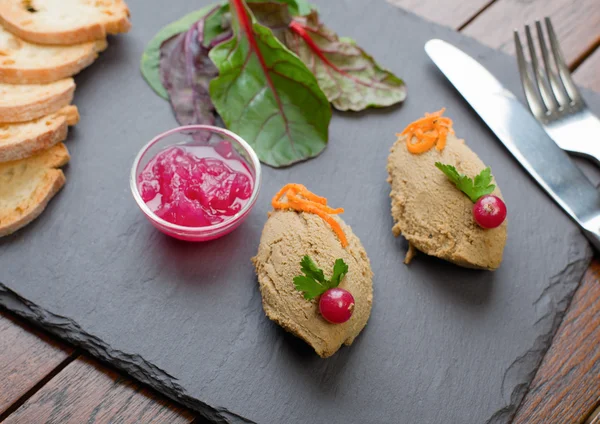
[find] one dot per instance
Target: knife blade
(522, 135)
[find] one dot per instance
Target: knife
(522, 135)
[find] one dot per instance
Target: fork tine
(535, 104)
(547, 95)
(557, 87)
(563, 70)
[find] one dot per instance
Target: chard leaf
(296, 7)
(272, 14)
(267, 95)
(217, 26)
(186, 71)
(350, 78)
(303, 8)
(150, 62)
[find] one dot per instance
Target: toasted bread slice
(27, 185)
(26, 102)
(64, 21)
(26, 63)
(18, 141)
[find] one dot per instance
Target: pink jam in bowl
(197, 182)
(196, 186)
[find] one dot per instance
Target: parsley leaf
(484, 178)
(310, 269)
(474, 189)
(339, 270)
(308, 286)
(313, 283)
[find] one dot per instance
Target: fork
(553, 97)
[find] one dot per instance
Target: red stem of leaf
(300, 30)
(246, 24)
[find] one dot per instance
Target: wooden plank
(594, 418)
(567, 385)
(86, 392)
(26, 357)
(453, 13)
(588, 73)
(575, 22)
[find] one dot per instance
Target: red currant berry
(489, 211)
(336, 305)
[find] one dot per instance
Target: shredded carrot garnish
(431, 130)
(300, 199)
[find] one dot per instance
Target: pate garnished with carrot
(314, 275)
(457, 214)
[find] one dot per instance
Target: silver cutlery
(553, 97)
(522, 135)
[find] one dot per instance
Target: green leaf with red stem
(267, 95)
(216, 26)
(297, 7)
(186, 71)
(216, 29)
(350, 78)
(274, 14)
(150, 62)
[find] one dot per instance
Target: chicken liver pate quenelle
(444, 201)
(314, 274)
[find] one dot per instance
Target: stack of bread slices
(43, 43)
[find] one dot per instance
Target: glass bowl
(196, 135)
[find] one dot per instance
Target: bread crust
(40, 101)
(53, 181)
(50, 183)
(52, 63)
(48, 131)
(111, 17)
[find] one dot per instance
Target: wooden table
(45, 381)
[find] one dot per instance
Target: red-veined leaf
(350, 78)
(267, 95)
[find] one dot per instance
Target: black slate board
(443, 345)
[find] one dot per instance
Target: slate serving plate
(443, 345)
